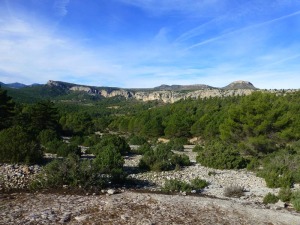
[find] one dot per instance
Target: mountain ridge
(62, 91)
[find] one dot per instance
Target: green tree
(119, 143)
(110, 161)
(16, 146)
(7, 107)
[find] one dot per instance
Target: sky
(146, 43)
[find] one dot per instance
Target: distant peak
(240, 84)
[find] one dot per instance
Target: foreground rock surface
(134, 208)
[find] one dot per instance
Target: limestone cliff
(164, 93)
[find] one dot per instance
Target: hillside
(58, 90)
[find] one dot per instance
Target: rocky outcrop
(166, 93)
(240, 84)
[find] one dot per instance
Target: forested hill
(63, 91)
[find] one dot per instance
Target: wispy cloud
(213, 39)
(60, 7)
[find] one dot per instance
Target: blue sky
(145, 43)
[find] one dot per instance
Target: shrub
(178, 185)
(177, 144)
(285, 194)
(65, 149)
(181, 160)
(69, 171)
(77, 140)
(253, 164)
(234, 191)
(295, 200)
(161, 159)
(17, 146)
(198, 148)
(110, 161)
(46, 136)
(119, 143)
(143, 149)
(62, 149)
(270, 199)
(221, 156)
(137, 140)
(198, 183)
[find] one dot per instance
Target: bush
(285, 194)
(177, 185)
(143, 149)
(46, 136)
(221, 156)
(161, 159)
(177, 144)
(253, 164)
(65, 149)
(119, 143)
(198, 183)
(17, 146)
(180, 160)
(137, 140)
(295, 200)
(62, 149)
(110, 161)
(198, 148)
(234, 191)
(69, 171)
(270, 199)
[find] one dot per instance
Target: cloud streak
(60, 7)
(210, 40)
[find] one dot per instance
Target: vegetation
(16, 145)
(70, 171)
(295, 200)
(285, 194)
(162, 158)
(221, 156)
(270, 199)
(234, 191)
(260, 132)
(174, 185)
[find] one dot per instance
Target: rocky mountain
(193, 87)
(164, 93)
(17, 85)
(240, 85)
(13, 85)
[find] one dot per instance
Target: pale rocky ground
(144, 206)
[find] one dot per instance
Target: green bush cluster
(62, 149)
(221, 156)
(69, 171)
(137, 140)
(162, 158)
(281, 169)
(285, 194)
(177, 143)
(17, 146)
(118, 142)
(270, 199)
(143, 149)
(174, 185)
(295, 200)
